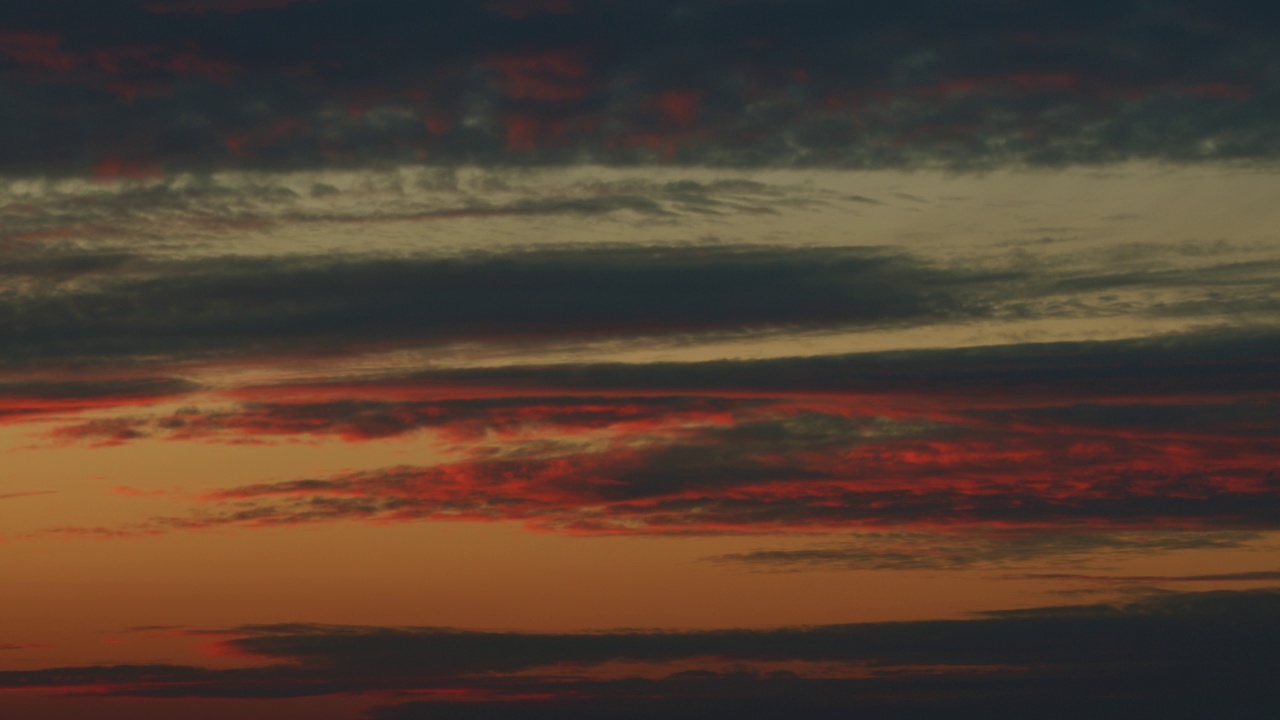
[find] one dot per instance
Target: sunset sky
(637, 359)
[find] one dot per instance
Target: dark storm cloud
(136, 87)
(239, 305)
(1176, 652)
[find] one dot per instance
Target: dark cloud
(133, 88)
(459, 420)
(986, 547)
(81, 306)
(200, 7)
(76, 390)
(1178, 654)
(237, 305)
(25, 399)
(1168, 418)
(1236, 577)
(64, 265)
(1194, 363)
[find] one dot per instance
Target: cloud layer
(67, 305)
(1175, 655)
(1059, 442)
(156, 87)
(638, 268)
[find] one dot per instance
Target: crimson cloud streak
(1167, 434)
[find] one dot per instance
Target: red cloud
(522, 132)
(437, 123)
(119, 168)
(696, 466)
(552, 76)
(680, 107)
(134, 492)
(1219, 90)
(243, 144)
(45, 51)
(38, 49)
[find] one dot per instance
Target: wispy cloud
(987, 547)
(1169, 434)
(34, 493)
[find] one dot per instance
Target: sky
(567, 359)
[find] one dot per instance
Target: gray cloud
(809, 83)
(461, 420)
(57, 231)
(1185, 364)
(238, 305)
(81, 306)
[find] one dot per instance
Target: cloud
(1184, 652)
(686, 488)
(810, 83)
(1235, 577)
(35, 493)
(458, 420)
(980, 548)
(200, 7)
(800, 470)
(1192, 364)
(26, 399)
(67, 304)
(56, 230)
(1087, 439)
(324, 304)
